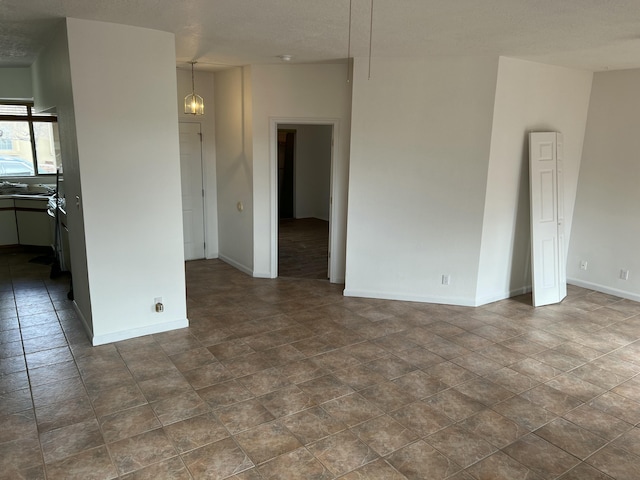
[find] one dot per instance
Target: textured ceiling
(588, 34)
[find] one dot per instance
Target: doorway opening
(304, 153)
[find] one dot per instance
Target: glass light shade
(193, 104)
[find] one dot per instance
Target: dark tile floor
(287, 379)
(303, 248)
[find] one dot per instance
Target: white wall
(124, 90)
(234, 167)
(15, 83)
(204, 88)
(303, 92)
(52, 89)
(312, 170)
(529, 97)
(606, 226)
(420, 140)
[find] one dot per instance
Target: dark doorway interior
(286, 193)
(304, 176)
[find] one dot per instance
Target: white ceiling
(588, 34)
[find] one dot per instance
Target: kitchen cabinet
(8, 228)
(24, 221)
(34, 227)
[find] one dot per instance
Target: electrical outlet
(583, 264)
(446, 279)
(624, 274)
(158, 306)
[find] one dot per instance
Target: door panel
(192, 190)
(547, 230)
(547, 196)
(549, 277)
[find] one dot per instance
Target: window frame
(30, 118)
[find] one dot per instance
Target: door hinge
(200, 135)
(203, 193)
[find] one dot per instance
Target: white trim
(502, 296)
(273, 197)
(261, 275)
(462, 301)
(233, 263)
(604, 289)
(139, 332)
(205, 194)
(87, 328)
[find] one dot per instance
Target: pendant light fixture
(193, 103)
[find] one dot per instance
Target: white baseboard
(502, 296)
(462, 301)
(234, 264)
(139, 332)
(604, 289)
(87, 328)
(262, 275)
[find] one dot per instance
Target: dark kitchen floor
(287, 379)
(303, 246)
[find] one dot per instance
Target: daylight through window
(29, 143)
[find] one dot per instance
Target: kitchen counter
(8, 188)
(26, 196)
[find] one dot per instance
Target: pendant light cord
(193, 81)
(349, 41)
(370, 38)
(349, 45)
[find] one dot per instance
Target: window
(29, 143)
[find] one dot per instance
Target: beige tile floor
(287, 379)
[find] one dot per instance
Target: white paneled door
(192, 190)
(548, 263)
